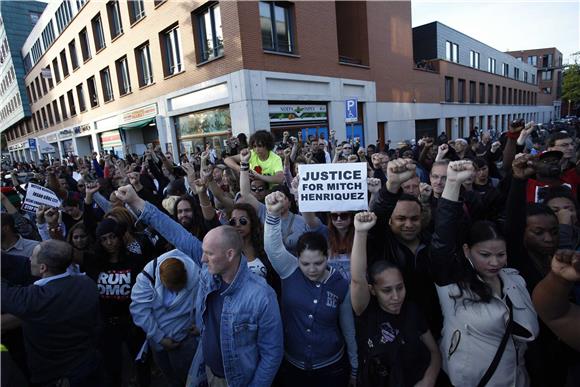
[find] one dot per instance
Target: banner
(332, 187)
(37, 195)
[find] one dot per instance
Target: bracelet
(244, 168)
(245, 165)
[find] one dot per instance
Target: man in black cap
(59, 314)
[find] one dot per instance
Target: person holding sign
(316, 309)
(396, 347)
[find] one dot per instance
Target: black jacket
(59, 322)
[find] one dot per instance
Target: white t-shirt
(257, 267)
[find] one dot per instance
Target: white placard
(77, 176)
(37, 195)
(332, 187)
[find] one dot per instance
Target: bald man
(236, 310)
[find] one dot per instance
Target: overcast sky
(507, 24)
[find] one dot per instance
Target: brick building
(105, 75)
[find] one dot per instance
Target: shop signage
(51, 137)
(111, 139)
(148, 111)
(82, 128)
(284, 113)
(46, 73)
(65, 133)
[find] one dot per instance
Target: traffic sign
(32, 144)
(351, 110)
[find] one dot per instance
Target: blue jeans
(175, 363)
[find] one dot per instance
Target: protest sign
(37, 195)
(332, 187)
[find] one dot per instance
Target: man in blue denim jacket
(236, 311)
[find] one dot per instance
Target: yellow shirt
(268, 167)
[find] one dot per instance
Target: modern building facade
(117, 74)
(548, 61)
(14, 29)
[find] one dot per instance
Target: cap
(551, 154)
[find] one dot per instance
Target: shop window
(98, 34)
(63, 107)
(93, 95)
(81, 98)
(72, 50)
(352, 32)
(209, 36)
(106, 84)
(85, 45)
(170, 41)
(123, 80)
(114, 15)
(144, 68)
(276, 26)
(136, 10)
(64, 64)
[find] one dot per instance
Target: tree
(571, 86)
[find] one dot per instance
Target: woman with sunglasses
(340, 237)
(315, 305)
(82, 242)
(395, 345)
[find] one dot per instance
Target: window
(63, 107)
(461, 90)
(55, 109)
(472, 92)
(71, 103)
(114, 14)
(43, 83)
(55, 70)
(37, 83)
(98, 32)
(49, 114)
(546, 75)
(209, 30)
(93, 96)
(533, 60)
(505, 70)
(44, 120)
(81, 3)
(85, 45)
(63, 15)
(497, 96)
(136, 10)
(171, 49)
(448, 89)
(525, 76)
(81, 98)
(144, 69)
(489, 94)
(34, 96)
(491, 65)
(106, 84)
(474, 59)
(547, 90)
(48, 35)
(34, 16)
(74, 60)
(510, 94)
(123, 76)
(276, 26)
(451, 52)
(547, 60)
(36, 51)
(534, 79)
(27, 63)
(516, 73)
(481, 92)
(504, 95)
(64, 64)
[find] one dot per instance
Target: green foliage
(571, 84)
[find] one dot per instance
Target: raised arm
(234, 161)
(359, 287)
(398, 172)
(445, 259)
(245, 189)
(346, 321)
(551, 297)
(172, 231)
(283, 262)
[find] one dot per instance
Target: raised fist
(425, 192)
(460, 171)
(523, 166)
(275, 203)
(566, 265)
(373, 185)
(245, 155)
(92, 188)
(364, 221)
(127, 194)
(400, 170)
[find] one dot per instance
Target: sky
(508, 25)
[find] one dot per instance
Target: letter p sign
(351, 113)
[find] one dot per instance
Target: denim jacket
(251, 327)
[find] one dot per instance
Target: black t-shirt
(394, 341)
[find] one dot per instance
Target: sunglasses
(340, 215)
(242, 221)
(258, 189)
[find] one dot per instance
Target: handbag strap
(501, 349)
(150, 277)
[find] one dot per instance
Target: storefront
(195, 130)
(83, 139)
(52, 140)
(138, 128)
(65, 136)
(111, 143)
(302, 121)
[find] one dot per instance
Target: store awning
(138, 124)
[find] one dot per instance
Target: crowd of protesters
(464, 271)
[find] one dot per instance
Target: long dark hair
(197, 227)
(470, 280)
(257, 234)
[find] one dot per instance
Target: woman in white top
(478, 297)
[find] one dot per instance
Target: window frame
(98, 33)
(94, 96)
(205, 54)
(172, 51)
(123, 77)
(143, 62)
(136, 13)
(107, 85)
(288, 20)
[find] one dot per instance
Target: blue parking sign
(32, 144)
(351, 112)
